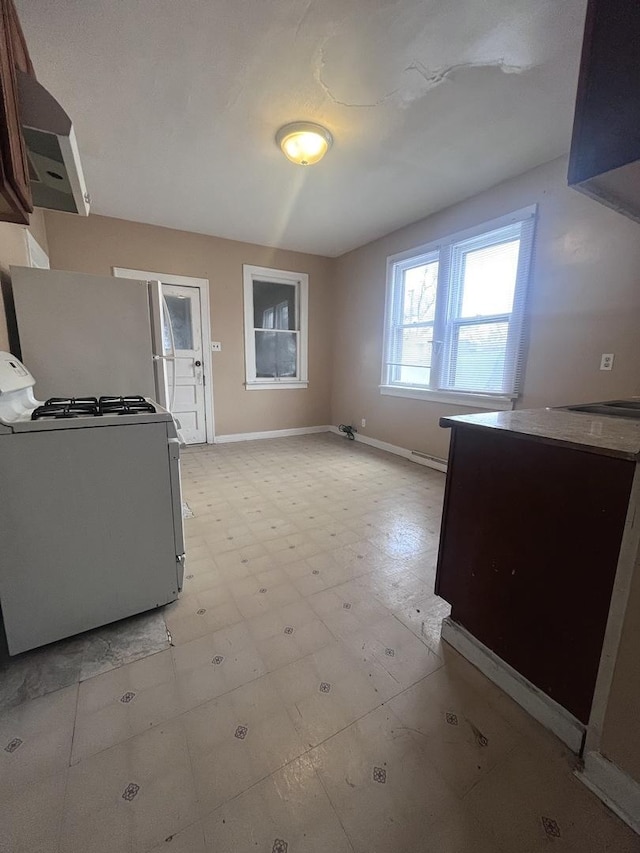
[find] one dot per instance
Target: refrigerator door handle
(161, 318)
(159, 360)
(172, 357)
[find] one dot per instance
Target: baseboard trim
(274, 433)
(552, 716)
(613, 786)
(411, 455)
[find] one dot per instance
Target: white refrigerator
(88, 335)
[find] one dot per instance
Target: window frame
(444, 321)
(397, 272)
(300, 280)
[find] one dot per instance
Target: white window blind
(455, 312)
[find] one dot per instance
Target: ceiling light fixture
(303, 142)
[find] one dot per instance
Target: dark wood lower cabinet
(528, 552)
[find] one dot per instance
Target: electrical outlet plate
(216, 346)
(363, 422)
(606, 361)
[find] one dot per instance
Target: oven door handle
(176, 501)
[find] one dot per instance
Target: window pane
(179, 309)
(419, 293)
(276, 354)
(413, 375)
(489, 279)
(479, 358)
(411, 355)
(274, 305)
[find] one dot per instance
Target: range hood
(55, 172)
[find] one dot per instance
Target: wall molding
(613, 786)
(628, 564)
(412, 455)
(274, 433)
(547, 712)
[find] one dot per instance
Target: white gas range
(90, 510)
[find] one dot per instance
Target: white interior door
(183, 346)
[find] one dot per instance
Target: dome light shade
(303, 142)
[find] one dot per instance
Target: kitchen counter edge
(601, 434)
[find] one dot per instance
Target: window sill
(275, 386)
(497, 403)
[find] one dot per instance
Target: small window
(179, 310)
(275, 304)
(455, 310)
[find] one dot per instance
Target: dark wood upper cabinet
(605, 149)
(21, 57)
(15, 190)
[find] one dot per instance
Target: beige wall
(97, 243)
(13, 250)
(584, 300)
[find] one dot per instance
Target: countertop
(607, 436)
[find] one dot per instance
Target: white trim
(628, 563)
(274, 386)
(492, 225)
(555, 718)
(613, 786)
(71, 159)
(205, 325)
(165, 278)
(301, 280)
(427, 461)
(452, 398)
(412, 455)
(443, 251)
(274, 433)
(38, 258)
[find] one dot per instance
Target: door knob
(198, 363)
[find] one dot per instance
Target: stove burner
(130, 405)
(79, 407)
(65, 409)
(71, 401)
(130, 398)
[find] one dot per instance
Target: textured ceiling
(176, 104)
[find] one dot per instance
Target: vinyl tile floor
(307, 703)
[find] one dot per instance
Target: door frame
(37, 256)
(205, 325)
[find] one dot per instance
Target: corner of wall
(14, 252)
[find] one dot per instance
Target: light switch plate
(216, 346)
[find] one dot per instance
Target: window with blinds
(455, 311)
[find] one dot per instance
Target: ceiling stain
(431, 77)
